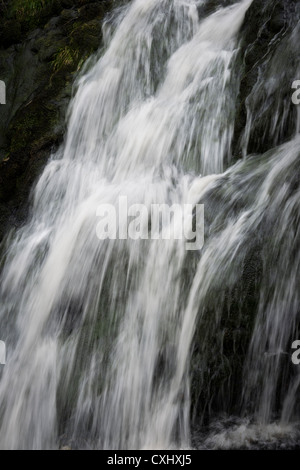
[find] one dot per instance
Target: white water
(99, 333)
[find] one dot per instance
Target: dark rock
(209, 7)
(11, 33)
(268, 64)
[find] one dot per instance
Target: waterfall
(100, 333)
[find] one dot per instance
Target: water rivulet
(131, 344)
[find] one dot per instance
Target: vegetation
(30, 14)
(27, 13)
(28, 8)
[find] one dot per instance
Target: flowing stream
(101, 334)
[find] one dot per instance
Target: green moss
(66, 58)
(84, 39)
(30, 13)
(30, 125)
(24, 8)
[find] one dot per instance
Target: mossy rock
(48, 45)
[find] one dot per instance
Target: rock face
(40, 54)
(269, 45)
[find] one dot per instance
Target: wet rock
(269, 63)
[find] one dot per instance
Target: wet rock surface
(269, 63)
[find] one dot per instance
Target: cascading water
(99, 333)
